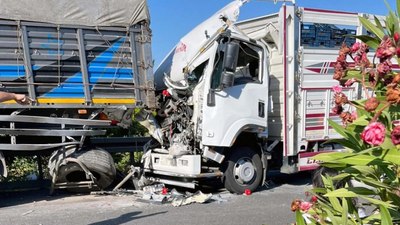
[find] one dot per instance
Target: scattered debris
(247, 192)
(28, 212)
(198, 197)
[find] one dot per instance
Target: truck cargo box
(76, 53)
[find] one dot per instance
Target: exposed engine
(171, 125)
(175, 120)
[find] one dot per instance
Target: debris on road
(198, 197)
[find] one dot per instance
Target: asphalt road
(270, 206)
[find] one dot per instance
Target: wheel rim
(244, 171)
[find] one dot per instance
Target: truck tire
(98, 161)
(243, 170)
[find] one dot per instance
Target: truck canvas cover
(76, 12)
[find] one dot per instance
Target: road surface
(270, 206)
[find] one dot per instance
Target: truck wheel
(98, 161)
(243, 170)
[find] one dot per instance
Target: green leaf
(371, 27)
(391, 155)
(379, 24)
(342, 142)
(338, 128)
(335, 220)
(398, 7)
(328, 157)
(344, 212)
(341, 193)
(361, 121)
(361, 160)
(366, 171)
(378, 202)
(341, 176)
(362, 191)
(373, 182)
(372, 219)
(389, 24)
(370, 41)
(299, 218)
(386, 219)
(342, 131)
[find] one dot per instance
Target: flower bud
(338, 109)
(396, 79)
(396, 37)
(395, 135)
(350, 82)
(371, 104)
(314, 198)
(346, 118)
(393, 95)
(340, 99)
(295, 205)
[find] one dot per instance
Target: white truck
(244, 97)
(234, 98)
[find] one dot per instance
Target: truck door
(237, 94)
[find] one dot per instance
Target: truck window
(195, 76)
(216, 75)
(317, 35)
(247, 70)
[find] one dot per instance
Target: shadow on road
(301, 178)
(274, 180)
(124, 218)
(24, 197)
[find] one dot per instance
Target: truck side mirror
(231, 56)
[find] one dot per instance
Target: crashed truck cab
(205, 127)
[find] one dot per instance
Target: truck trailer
(231, 100)
(85, 65)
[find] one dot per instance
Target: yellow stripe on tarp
(80, 101)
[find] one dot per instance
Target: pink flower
(305, 206)
(355, 47)
(395, 135)
(374, 133)
(384, 68)
(337, 88)
(386, 49)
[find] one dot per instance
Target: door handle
(261, 109)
